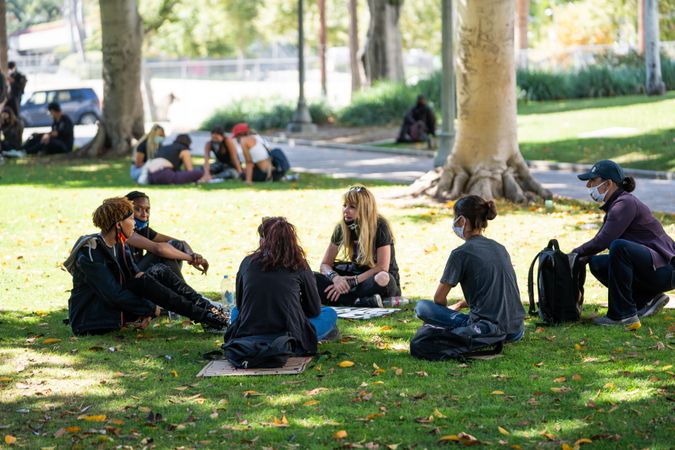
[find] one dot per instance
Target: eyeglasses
(357, 189)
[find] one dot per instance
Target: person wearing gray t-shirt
(483, 268)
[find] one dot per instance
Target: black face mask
(353, 225)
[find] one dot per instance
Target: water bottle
(394, 302)
(227, 289)
(548, 204)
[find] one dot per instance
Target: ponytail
(628, 184)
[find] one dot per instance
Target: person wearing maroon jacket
(640, 265)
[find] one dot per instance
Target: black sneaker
(215, 317)
(220, 329)
(653, 306)
(372, 301)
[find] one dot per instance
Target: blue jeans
(135, 172)
(323, 324)
(629, 274)
(442, 316)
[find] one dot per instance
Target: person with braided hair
(109, 291)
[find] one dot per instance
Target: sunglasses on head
(357, 189)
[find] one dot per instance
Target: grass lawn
(138, 389)
(636, 131)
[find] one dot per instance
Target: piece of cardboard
(223, 368)
(350, 312)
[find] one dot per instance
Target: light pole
(447, 134)
(302, 120)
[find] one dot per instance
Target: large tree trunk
(121, 42)
(383, 55)
(485, 159)
(354, 46)
(322, 46)
(654, 82)
(522, 15)
(3, 36)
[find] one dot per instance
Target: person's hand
(340, 286)
(205, 178)
(459, 305)
(45, 139)
(139, 274)
(158, 310)
(200, 263)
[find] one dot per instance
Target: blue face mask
(459, 231)
(159, 140)
(140, 224)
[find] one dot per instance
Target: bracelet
(353, 282)
(332, 274)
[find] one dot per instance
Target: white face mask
(595, 193)
(459, 231)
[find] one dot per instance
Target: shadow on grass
(65, 172)
(653, 151)
(528, 108)
(541, 385)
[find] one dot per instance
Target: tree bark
(121, 43)
(522, 13)
(383, 55)
(354, 46)
(322, 46)
(654, 83)
(485, 159)
(3, 36)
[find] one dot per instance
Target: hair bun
(491, 210)
(628, 184)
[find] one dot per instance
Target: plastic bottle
(227, 290)
(548, 204)
(394, 302)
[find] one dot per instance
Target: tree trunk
(383, 55)
(322, 46)
(485, 159)
(121, 42)
(641, 27)
(522, 13)
(3, 36)
(654, 82)
(354, 46)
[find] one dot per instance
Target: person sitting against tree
(277, 294)
(366, 240)
(483, 268)
(110, 292)
(418, 124)
(258, 160)
(640, 265)
(59, 140)
(176, 155)
(144, 260)
(12, 130)
(225, 151)
(145, 149)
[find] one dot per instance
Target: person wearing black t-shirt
(225, 151)
(366, 240)
(145, 260)
(59, 140)
(110, 291)
(178, 155)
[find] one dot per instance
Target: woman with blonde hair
(367, 243)
(146, 150)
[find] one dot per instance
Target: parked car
(80, 104)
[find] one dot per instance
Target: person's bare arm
(187, 159)
(139, 159)
(207, 162)
(441, 295)
(249, 160)
(340, 285)
(232, 150)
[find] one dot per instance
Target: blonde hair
(367, 218)
(150, 145)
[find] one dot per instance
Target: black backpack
(262, 351)
(560, 284)
(280, 163)
(438, 343)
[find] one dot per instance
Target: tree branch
(164, 13)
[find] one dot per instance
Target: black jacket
(99, 300)
(275, 302)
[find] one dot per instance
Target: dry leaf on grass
(51, 341)
(345, 364)
(340, 434)
(99, 418)
(9, 439)
(311, 403)
(503, 431)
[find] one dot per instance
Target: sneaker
(653, 306)
(372, 301)
(215, 317)
(292, 177)
(631, 323)
(214, 329)
(14, 153)
(393, 302)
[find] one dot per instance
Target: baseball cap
(605, 169)
(239, 129)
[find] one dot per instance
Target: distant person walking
(419, 123)
(59, 140)
(17, 86)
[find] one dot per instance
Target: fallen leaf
(497, 392)
(609, 385)
(567, 447)
(577, 347)
(576, 377)
(449, 438)
(560, 380)
(539, 364)
(549, 436)
(100, 418)
(503, 431)
(9, 439)
(5, 379)
(181, 388)
(280, 423)
(340, 434)
(386, 328)
(582, 441)
(539, 330)
(344, 364)
(311, 403)
(562, 389)
(251, 393)
(73, 429)
(439, 414)
(467, 439)
(174, 373)
(51, 341)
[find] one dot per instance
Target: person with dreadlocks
(109, 291)
(366, 240)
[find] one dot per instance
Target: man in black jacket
(17, 86)
(59, 140)
(419, 123)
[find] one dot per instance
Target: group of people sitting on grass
(116, 283)
(245, 156)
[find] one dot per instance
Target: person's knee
(422, 308)
(329, 314)
(382, 278)
(597, 265)
(618, 248)
(179, 245)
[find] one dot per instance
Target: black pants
(150, 259)
(162, 287)
(366, 288)
(258, 175)
(629, 274)
(34, 145)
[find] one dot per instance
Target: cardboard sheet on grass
(349, 312)
(223, 368)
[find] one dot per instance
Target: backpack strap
(530, 284)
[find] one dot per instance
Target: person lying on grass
(109, 291)
(483, 268)
(145, 260)
(276, 292)
(366, 240)
(640, 265)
